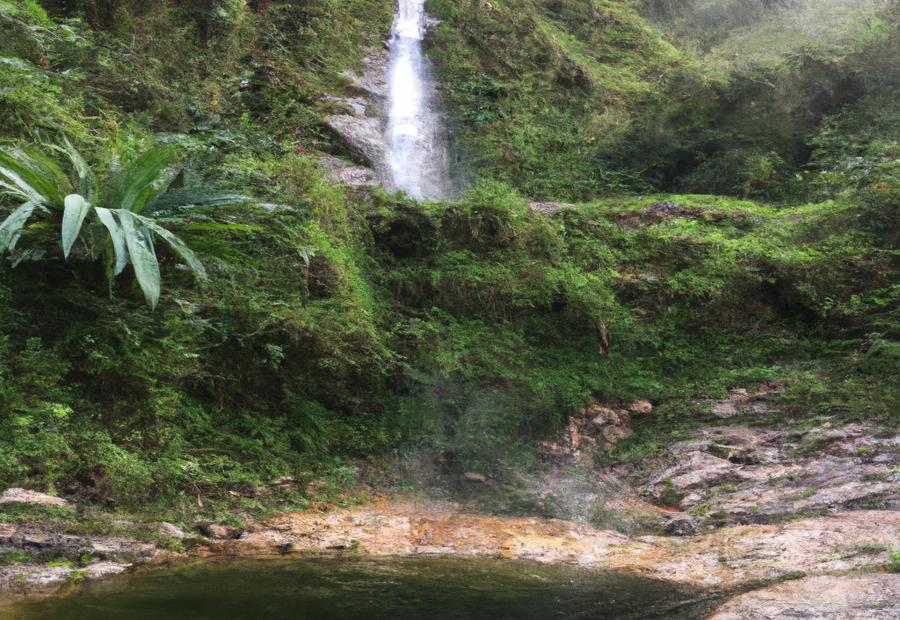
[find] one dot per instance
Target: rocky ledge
(846, 549)
(824, 597)
(727, 558)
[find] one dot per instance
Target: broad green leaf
(143, 258)
(117, 234)
(142, 179)
(76, 209)
(34, 175)
(178, 245)
(9, 229)
(15, 183)
(86, 182)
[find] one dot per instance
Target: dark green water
(327, 588)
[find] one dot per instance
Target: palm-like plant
(129, 208)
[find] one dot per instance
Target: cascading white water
(416, 149)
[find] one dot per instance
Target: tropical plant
(129, 207)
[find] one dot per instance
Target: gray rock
(172, 531)
(741, 474)
(35, 498)
(363, 137)
(683, 525)
(339, 171)
(855, 597)
(549, 207)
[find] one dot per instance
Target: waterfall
(416, 145)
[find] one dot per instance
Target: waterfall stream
(417, 152)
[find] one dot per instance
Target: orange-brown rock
(725, 558)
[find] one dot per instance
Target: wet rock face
(742, 474)
(361, 135)
(819, 598)
(357, 120)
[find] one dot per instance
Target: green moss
(894, 566)
(14, 556)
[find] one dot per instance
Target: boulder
(340, 171)
(363, 137)
(23, 496)
(172, 531)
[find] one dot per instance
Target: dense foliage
(342, 323)
(571, 99)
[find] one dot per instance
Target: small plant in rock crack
(894, 565)
(806, 493)
(116, 219)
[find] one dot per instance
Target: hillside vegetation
(341, 329)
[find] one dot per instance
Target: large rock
(23, 496)
(741, 474)
(44, 543)
(34, 579)
(694, 470)
(855, 597)
(340, 171)
(357, 121)
(372, 79)
(172, 531)
(363, 136)
(742, 401)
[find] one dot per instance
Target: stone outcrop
(338, 170)
(36, 579)
(725, 558)
(741, 474)
(45, 544)
(741, 401)
(23, 496)
(855, 597)
(549, 207)
(357, 120)
(596, 428)
(109, 555)
(171, 530)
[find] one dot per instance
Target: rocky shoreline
(847, 550)
(794, 519)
